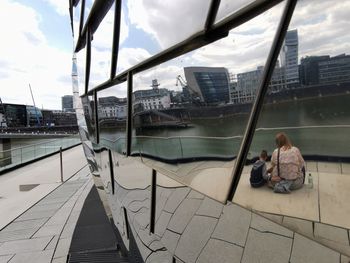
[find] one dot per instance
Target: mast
(36, 112)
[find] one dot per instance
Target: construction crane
(36, 111)
(180, 80)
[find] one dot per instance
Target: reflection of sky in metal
(144, 34)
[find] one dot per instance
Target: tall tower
(289, 58)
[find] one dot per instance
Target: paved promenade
(23, 187)
(43, 232)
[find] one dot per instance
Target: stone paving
(43, 233)
(43, 174)
(320, 213)
(190, 227)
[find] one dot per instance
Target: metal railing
(20, 155)
(316, 140)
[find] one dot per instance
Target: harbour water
(318, 126)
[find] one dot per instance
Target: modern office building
(150, 99)
(315, 70)
(16, 115)
(63, 118)
(334, 69)
(243, 89)
(34, 116)
(247, 84)
(112, 107)
(67, 103)
(309, 69)
(210, 84)
(289, 58)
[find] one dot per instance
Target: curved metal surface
(166, 187)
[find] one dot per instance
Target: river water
(317, 126)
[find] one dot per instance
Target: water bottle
(310, 181)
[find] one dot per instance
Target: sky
(36, 47)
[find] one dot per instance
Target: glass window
(310, 104)
(194, 137)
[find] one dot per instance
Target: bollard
(61, 164)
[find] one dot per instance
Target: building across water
(209, 84)
(149, 99)
(67, 103)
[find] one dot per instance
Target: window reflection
(308, 100)
(228, 7)
(89, 109)
(188, 122)
(76, 20)
(112, 116)
(149, 27)
(101, 50)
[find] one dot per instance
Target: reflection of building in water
(325, 69)
(210, 84)
(151, 99)
(112, 107)
(289, 58)
(67, 103)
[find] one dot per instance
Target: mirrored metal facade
(179, 101)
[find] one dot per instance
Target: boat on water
(182, 194)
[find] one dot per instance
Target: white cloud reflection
(26, 57)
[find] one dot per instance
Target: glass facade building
(211, 84)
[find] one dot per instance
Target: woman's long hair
(282, 140)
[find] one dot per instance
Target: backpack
(256, 174)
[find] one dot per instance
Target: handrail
(232, 137)
(18, 156)
(31, 145)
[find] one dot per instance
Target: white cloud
(30, 59)
(246, 47)
(168, 21)
(129, 57)
(61, 6)
(104, 35)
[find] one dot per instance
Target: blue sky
(55, 27)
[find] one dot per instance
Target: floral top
(291, 162)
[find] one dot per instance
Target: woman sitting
(287, 166)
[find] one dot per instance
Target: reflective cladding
(186, 124)
(88, 6)
(228, 7)
(308, 99)
(89, 114)
(76, 20)
(81, 65)
(149, 27)
(101, 50)
(112, 117)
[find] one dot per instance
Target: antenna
(36, 112)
